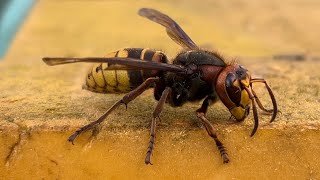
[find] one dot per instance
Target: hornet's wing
(173, 29)
(118, 62)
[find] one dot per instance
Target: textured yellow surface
(40, 106)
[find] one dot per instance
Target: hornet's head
(234, 88)
(231, 86)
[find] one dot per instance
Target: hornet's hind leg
(211, 131)
(125, 100)
(156, 114)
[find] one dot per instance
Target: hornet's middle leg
(156, 114)
(201, 112)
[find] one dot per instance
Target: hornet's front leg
(156, 114)
(201, 112)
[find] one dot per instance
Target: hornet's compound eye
(233, 88)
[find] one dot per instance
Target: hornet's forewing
(174, 31)
(119, 62)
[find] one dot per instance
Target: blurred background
(236, 27)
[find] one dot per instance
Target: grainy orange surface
(40, 106)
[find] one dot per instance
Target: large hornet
(195, 74)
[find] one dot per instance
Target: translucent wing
(173, 29)
(117, 63)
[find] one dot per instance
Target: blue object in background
(12, 14)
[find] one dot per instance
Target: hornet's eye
(233, 88)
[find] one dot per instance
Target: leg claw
(225, 159)
(148, 160)
(72, 137)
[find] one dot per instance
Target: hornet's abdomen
(103, 78)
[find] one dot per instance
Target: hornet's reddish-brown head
(234, 88)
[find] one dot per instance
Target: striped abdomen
(103, 80)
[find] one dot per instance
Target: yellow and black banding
(103, 80)
(135, 76)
